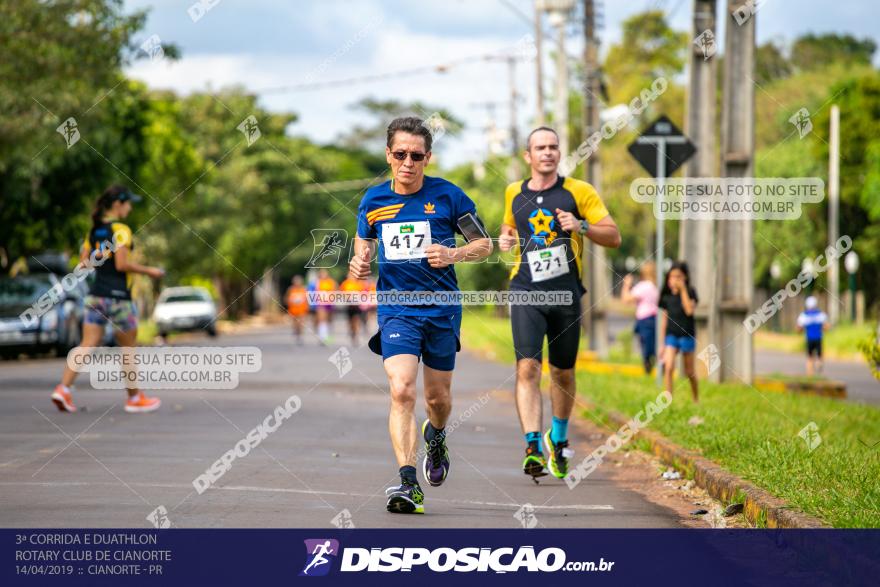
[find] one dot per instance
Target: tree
(62, 58)
(244, 208)
(485, 184)
(770, 63)
(859, 102)
(649, 49)
(813, 51)
(214, 206)
(59, 55)
(783, 240)
(372, 138)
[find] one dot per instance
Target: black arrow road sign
(665, 140)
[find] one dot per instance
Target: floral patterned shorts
(122, 314)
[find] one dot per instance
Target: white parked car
(181, 309)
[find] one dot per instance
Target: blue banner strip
(122, 557)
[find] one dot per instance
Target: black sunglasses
(401, 155)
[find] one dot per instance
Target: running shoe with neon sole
(435, 465)
(405, 499)
(63, 399)
(559, 455)
(534, 463)
(141, 403)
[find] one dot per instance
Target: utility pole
(834, 212)
(696, 236)
(514, 134)
(539, 66)
(559, 12)
(595, 261)
(490, 129)
(734, 250)
(513, 131)
(561, 106)
(592, 91)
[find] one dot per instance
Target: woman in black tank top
(107, 251)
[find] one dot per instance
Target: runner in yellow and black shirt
(546, 221)
(107, 249)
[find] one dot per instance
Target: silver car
(183, 309)
(58, 327)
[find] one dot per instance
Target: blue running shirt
(401, 223)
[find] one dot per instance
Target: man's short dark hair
(539, 129)
(411, 125)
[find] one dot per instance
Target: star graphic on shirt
(540, 222)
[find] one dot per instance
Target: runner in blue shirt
(413, 220)
(813, 321)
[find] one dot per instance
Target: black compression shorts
(560, 324)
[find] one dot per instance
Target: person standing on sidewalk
(645, 296)
(679, 301)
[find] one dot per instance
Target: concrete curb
(759, 506)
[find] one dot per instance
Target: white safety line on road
(578, 507)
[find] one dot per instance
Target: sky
(267, 46)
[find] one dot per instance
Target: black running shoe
(534, 462)
(405, 499)
(435, 465)
(559, 455)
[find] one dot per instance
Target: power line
(673, 10)
(516, 10)
(529, 20)
(425, 69)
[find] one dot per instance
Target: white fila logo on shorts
(395, 335)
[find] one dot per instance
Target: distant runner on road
(324, 309)
(353, 312)
(546, 220)
(813, 322)
(414, 219)
(297, 305)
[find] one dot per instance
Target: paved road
(860, 384)
(332, 455)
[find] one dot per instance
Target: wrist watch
(583, 227)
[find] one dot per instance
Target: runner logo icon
(320, 553)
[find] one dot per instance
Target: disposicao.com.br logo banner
(322, 551)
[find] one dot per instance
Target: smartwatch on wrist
(583, 227)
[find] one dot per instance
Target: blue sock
(408, 474)
(431, 433)
(559, 430)
(534, 438)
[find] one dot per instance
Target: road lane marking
(257, 489)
